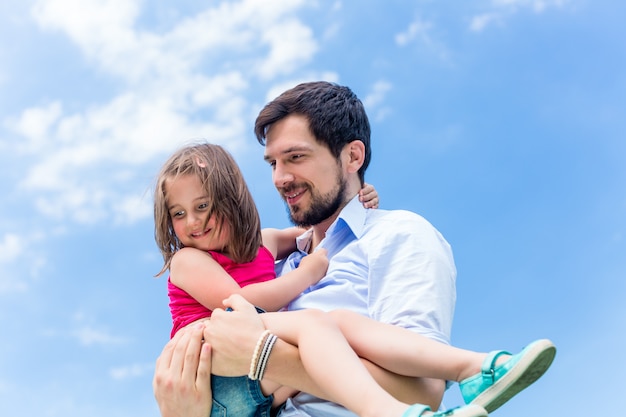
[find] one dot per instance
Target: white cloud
(374, 100)
(86, 20)
(418, 29)
(34, 125)
(536, 5)
(131, 371)
(132, 208)
(502, 9)
(75, 161)
(292, 45)
(187, 83)
(11, 246)
(377, 95)
(101, 28)
(88, 335)
(480, 22)
(104, 30)
(419, 32)
(18, 253)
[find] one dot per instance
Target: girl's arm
(197, 273)
(281, 242)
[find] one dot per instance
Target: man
(392, 266)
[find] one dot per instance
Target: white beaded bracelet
(255, 355)
(265, 355)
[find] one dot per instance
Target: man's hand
(233, 336)
(182, 377)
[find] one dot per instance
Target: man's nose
(281, 176)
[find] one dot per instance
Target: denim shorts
(239, 397)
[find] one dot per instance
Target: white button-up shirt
(392, 266)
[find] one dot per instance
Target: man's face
(307, 176)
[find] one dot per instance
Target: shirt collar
(353, 215)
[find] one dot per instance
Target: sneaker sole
(470, 410)
(529, 369)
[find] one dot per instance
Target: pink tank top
(185, 309)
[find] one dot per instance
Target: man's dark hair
(335, 114)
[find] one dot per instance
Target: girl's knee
(318, 316)
(342, 317)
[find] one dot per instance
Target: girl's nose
(192, 219)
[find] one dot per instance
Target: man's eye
(297, 156)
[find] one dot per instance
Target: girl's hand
(368, 196)
(316, 265)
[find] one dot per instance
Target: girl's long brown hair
(230, 201)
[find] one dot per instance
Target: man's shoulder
(395, 218)
(402, 229)
(393, 224)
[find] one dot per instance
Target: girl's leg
(409, 390)
(408, 353)
(405, 352)
(332, 363)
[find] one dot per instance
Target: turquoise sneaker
(420, 410)
(495, 385)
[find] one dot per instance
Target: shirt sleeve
(412, 276)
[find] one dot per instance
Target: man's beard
(322, 206)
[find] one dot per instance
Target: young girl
(208, 230)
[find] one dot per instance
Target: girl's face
(188, 208)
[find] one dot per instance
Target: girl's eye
(203, 206)
(178, 214)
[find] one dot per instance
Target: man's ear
(354, 155)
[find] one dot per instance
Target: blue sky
(500, 121)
